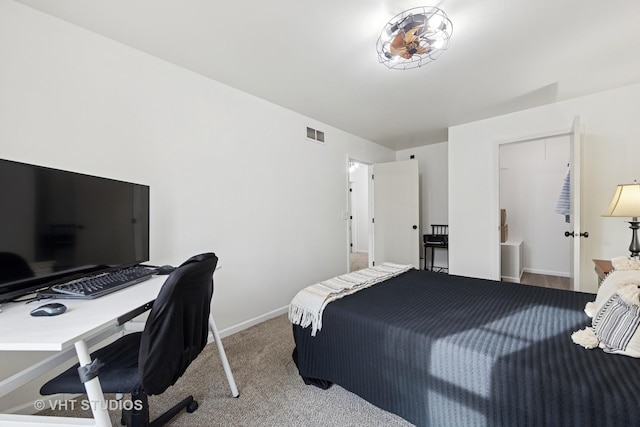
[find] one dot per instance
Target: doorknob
(572, 234)
(415, 227)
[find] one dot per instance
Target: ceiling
(318, 57)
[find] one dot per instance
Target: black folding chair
(438, 239)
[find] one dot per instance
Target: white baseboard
(252, 322)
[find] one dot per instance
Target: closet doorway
(536, 211)
(359, 224)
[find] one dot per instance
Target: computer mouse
(51, 309)
(165, 269)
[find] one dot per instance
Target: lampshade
(414, 38)
(626, 201)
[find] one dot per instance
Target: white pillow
(613, 283)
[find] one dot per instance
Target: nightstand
(602, 268)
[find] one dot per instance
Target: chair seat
(119, 374)
(436, 240)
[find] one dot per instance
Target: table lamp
(626, 202)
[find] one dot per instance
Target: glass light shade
(438, 43)
(436, 22)
(386, 34)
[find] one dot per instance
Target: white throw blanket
(307, 306)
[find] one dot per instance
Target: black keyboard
(103, 283)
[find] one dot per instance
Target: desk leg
(94, 391)
(223, 357)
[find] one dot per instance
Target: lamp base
(634, 247)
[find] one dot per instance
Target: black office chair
(147, 363)
(439, 238)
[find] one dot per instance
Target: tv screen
(55, 225)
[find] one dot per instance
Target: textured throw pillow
(611, 284)
(624, 263)
(616, 323)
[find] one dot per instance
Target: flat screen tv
(57, 225)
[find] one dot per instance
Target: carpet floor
(546, 281)
(271, 391)
(358, 261)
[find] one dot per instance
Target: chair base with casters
(140, 417)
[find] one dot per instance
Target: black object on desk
(439, 238)
(165, 269)
(51, 309)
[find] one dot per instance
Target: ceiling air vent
(315, 135)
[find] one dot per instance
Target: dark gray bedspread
(443, 350)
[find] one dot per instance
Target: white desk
(86, 322)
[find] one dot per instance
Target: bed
(444, 350)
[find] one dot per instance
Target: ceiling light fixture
(414, 38)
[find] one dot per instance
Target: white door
(396, 213)
(576, 233)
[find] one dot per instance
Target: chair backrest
(439, 229)
(177, 328)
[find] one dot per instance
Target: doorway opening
(359, 229)
(534, 249)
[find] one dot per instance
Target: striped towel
(563, 206)
(307, 306)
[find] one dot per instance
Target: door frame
(570, 132)
(347, 215)
(567, 141)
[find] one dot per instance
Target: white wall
(610, 157)
(531, 177)
(229, 172)
(434, 208)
